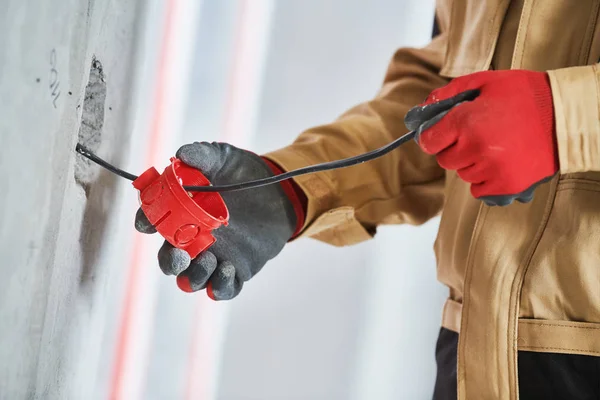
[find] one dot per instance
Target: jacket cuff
(316, 187)
(325, 219)
(294, 193)
(576, 94)
(542, 94)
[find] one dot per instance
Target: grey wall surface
(57, 289)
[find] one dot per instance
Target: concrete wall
(57, 287)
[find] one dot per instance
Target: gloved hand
(503, 142)
(261, 221)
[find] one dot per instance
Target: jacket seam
(582, 189)
(492, 30)
(595, 74)
(562, 326)
(449, 44)
(560, 349)
(447, 198)
(512, 337)
(492, 45)
(589, 35)
(481, 214)
(524, 25)
(571, 180)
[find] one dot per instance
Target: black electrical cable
(423, 113)
(88, 154)
(343, 163)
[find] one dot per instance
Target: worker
(523, 311)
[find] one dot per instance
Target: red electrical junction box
(185, 219)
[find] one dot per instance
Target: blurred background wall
(317, 323)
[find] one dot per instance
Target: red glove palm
(503, 142)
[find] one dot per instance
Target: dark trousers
(546, 376)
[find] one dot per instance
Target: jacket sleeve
(406, 186)
(576, 96)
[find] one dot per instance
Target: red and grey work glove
(495, 128)
(261, 221)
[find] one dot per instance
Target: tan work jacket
(522, 277)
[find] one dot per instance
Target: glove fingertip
(142, 224)
(183, 282)
(183, 150)
(224, 285)
(209, 291)
(200, 155)
(195, 277)
(172, 261)
(188, 154)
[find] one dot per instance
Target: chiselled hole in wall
(92, 121)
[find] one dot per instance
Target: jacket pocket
(563, 337)
(562, 352)
(472, 35)
(563, 278)
(541, 49)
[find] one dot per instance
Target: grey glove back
(261, 221)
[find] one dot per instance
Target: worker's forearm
(404, 186)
